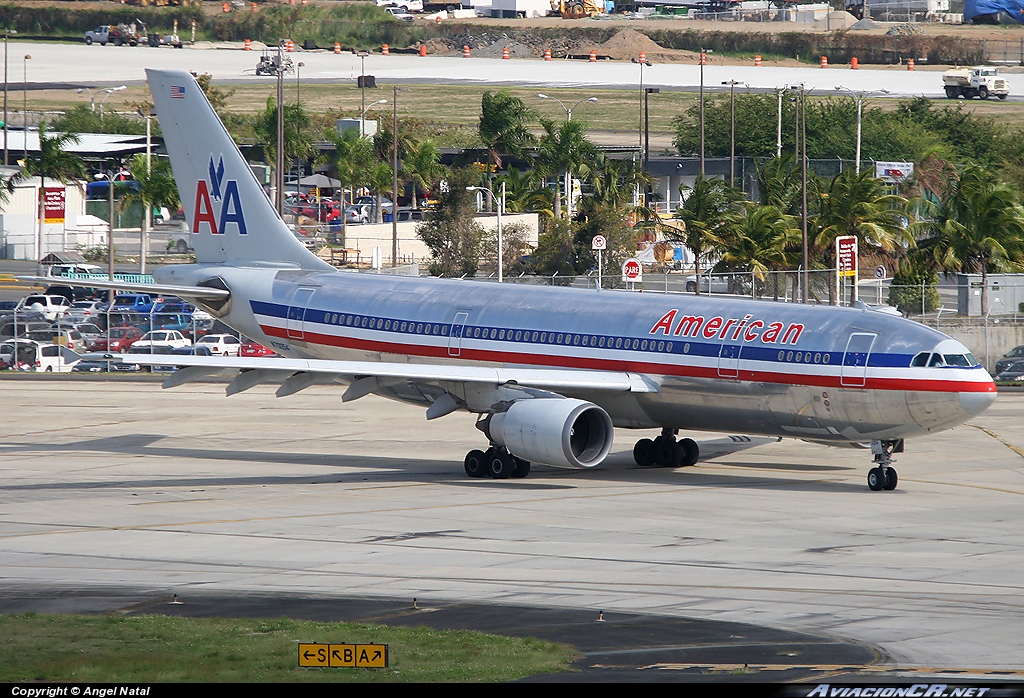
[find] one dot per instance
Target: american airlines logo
(216, 189)
(674, 324)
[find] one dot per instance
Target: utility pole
(394, 180)
(279, 160)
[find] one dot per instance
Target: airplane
(549, 372)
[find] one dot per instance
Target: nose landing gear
(883, 476)
(665, 452)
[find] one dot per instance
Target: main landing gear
(665, 452)
(495, 462)
(883, 475)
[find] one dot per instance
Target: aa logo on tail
(216, 189)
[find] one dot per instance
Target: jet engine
(554, 431)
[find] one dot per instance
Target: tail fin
(231, 219)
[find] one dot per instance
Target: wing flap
(199, 292)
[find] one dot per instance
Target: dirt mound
(628, 44)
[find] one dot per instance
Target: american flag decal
(177, 92)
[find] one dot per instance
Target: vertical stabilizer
(231, 219)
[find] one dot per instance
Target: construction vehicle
(979, 81)
(273, 60)
(118, 35)
(575, 9)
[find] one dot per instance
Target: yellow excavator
(575, 9)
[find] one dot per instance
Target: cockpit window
(956, 360)
(936, 360)
(921, 359)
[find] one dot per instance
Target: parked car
(160, 338)
(166, 321)
(221, 344)
(719, 283)
(1011, 357)
(1013, 372)
(400, 14)
(51, 307)
(148, 350)
(73, 269)
(90, 332)
(64, 337)
(83, 310)
(37, 356)
(251, 348)
(117, 339)
(357, 213)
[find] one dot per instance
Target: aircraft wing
(537, 378)
(202, 292)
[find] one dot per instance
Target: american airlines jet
(549, 371)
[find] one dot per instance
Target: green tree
(565, 148)
(79, 119)
(709, 212)
(515, 246)
(297, 132)
(351, 157)
(914, 278)
(978, 227)
(504, 128)
(156, 188)
(450, 231)
(422, 167)
(763, 240)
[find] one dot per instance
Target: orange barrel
(248, 44)
(291, 2)
(437, 19)
(593, 56)
(385, 50)
(757, 61)
(423, 49)
(252, 6)
(225, 7)
(854, 63)
(910, 64)
(824, 61)
(643, 56)
(547, 54)
(504, 54)
(703, 58)
(337, 48)
(465, 51)
(290, 48)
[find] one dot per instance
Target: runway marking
(997, 437)
(872, 669)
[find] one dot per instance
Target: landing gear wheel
(876, 479)
(521, 468)
(500, 465)
(476, 463)
(691, 452)
(669, 454)
(643, 453)
(891, 479)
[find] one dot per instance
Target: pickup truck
(109, 34)
(407, 5)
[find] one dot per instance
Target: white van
(37, 356)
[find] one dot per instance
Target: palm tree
(763, 240)
(565, 149)
(53, 162)
(858, 205)
(978, 226)
(709, 212)
(156, 188)
(779, 184)
(504, 129)
(422, 166)
(352, 155)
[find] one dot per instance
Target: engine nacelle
(554, 431)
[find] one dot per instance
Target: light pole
(568, 117)
(298, 124)
(279, 155)
(362, 84)
(640, 121)
(109, 91)
(801, 152)
(362, 117)
(394, 176)
(861, 97)
(703, 60)
(7, 33)
(732, 128)
(498, 206)
(147, 207)
(24, 107)
(647, 142)
(778, 133)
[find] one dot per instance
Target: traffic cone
(643, 56)
(385, 50)
(253, 7)
(337, 48)
(824, 61)
(465, 51)
(703, 58)
(225, 7)
(437, 19)
(593, 56)
(757, 61)
(910, 64)
(289, 46)
(547, 54)
(504, 54)
(854, 63)
(423, 49)
(248, 44)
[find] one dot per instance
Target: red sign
(846, 255)
(632, 270)
(53, 204)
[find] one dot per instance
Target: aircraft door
(297, 312)
(855, 360)
(455, 335)
(729, 361)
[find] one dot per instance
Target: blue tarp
(1013, 8)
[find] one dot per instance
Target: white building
(19, 223)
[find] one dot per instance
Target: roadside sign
(53, 204)
(632, 270)
(894, 171)
(599, 243)
(846, 255)
(880, 272)
(362, 656)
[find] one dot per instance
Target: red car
(250, 348)
(120, 340)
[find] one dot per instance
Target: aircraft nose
(976, 403)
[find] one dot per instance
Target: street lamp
(362, 117)
(732, 128)
(703, 59)
(24, 108)
(640, 134)
(860, 97)
(362, 81)
(801, 151)
(778, 133)
(498, 206)
(568, 110)
(394, 175)
(7, 33)
(109, 91)
(647, 142)
(298, 124)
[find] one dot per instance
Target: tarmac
(769, 561)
